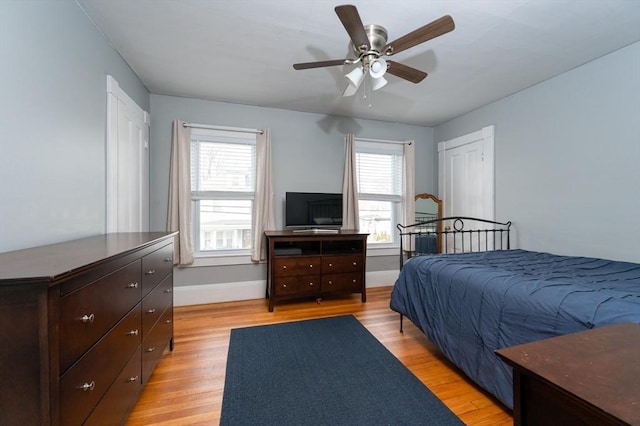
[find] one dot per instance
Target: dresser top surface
(50, 262)
(316, 234)
(601, 366)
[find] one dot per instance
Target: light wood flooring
(186, 387)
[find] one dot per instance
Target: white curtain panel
(263, 206)
(179, 217)
(350, 214)
(409, 186)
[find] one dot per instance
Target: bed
(471, 302)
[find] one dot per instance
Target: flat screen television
(309, 210)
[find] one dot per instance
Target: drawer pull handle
(168, 321)
(88, 318)
(330, 282)
(284, 266)
(132, 333)
(151, 349)
(310, 284)
(88, 386)
(355, 263)
(354, 281)
(330, 265)
(169, 290)
(132, 285)
(133, 379)
(310, 266)
(284, 286)
(168, 259)
(150, 272)
(151, 311)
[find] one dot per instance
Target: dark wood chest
(84, 324)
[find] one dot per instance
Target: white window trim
(381, 249)
(221, 257)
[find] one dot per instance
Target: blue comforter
(474, 303)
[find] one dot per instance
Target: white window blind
(223, 164)
(379, 167)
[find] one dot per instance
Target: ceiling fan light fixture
(378, 83)
(354, 77)
(377, 68)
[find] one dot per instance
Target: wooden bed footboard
(455, 234)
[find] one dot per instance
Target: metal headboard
(459, 234)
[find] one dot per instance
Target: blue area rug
(329, 371)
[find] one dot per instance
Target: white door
(466, 179)
(127, 162)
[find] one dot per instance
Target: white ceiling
(242, 51)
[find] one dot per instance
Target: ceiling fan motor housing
(377, 36)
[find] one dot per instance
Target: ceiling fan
(369, 44)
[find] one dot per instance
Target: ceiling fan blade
(404, 71)
(351, 21)
(427, 32)
(319, 64)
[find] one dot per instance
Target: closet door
(127, 162)
(466, 178)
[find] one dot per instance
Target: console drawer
(86, 314)
(308, 284)
(155, 303)
(156, 266)
(342, 282)
(82, 386)
(300, 265)
(155, 342)
(345, 263)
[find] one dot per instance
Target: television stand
(311, 263)
(317, 231)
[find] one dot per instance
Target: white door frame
(117, 98)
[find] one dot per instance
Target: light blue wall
(53, 68)
(307, 149)
(568, 158)
(307, 155)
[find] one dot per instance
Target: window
(223, 170)
(380, 176)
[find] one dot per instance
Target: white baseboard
(247, 290)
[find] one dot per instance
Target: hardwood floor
(186, 387)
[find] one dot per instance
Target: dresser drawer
(308, 284)
(82, 386)
(121, 396)
(155, 342)
(342, 282)
(346, 263)
(156, 266)
(155, 303)
(86, 314)
(302, 265)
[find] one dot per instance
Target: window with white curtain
(223, 183)
(380, 177)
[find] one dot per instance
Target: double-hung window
(223, 176)
(380, 177)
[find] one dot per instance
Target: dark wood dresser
(309, 264)
(587, 378)
(84, 323)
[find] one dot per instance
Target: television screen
(313, 210)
